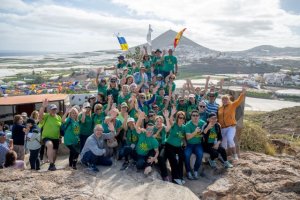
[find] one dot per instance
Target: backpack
(64, 127)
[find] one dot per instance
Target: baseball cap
(212, 115)
(166, 97)
(130, 120)
(159, 75)
(121, 57)
(52, 106)
(158, 50)
(191, 96)
(92, 96)
(86, 105)
(30, 121)
(24, 114)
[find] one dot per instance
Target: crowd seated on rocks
(135, 118)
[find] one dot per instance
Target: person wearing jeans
(194, 140)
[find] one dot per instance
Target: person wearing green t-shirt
(194, 144)
(170, 64)
(71, 137)
(174, 143)
(50, 123)
(124, 95)
(113, 88)
(160, 133)
(157, 62)
(147, 64)
(146, 147)
(170, 84)
(85, 123)
(98, 116)
(101, 84)
(190, 106)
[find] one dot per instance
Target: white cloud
(216, 24)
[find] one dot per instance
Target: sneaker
(124, 166)
(212, 163)
(147, 170)
(182, 181)
(52, 167)
(227, 165)
(178, 181)
(235, 157)
(93, 168)
(196, 176)
(190, 176)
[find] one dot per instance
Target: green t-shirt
(98, 119)
(131, 136)
(134, 114)
(147, 64)
(122, 65)
(145, 144)
(212, 135)
(114, 92)
(162, 136)
(118, 125)
(176, 135)
(181, 107)
(167, 88)
(86, 128)
(190, 108)
(123, 99)
(51, 126)
(190, 128)
(102, 89)
(72, 132)
(159, 101)
(169, 63)
(158, 63)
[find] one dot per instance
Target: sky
(90, 25)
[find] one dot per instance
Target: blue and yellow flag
(123, 43)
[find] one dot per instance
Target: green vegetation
(262, 95)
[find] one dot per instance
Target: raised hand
(166, 113)
(111, 126)
(45, 103)
(142, 115)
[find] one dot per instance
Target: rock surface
(255, 176)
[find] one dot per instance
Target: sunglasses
(202, 106)
(142, 97)
(181, 118)
(98, 109)
(211, 95)
(151, 115)
(112, 81)
(195, 115)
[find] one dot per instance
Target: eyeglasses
(151, 115)
(112, 81)
(181, 118)
(195, 115)
(142, 97)
(202, 106)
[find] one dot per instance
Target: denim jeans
(91, 158)
(198, 151)
(34, 159)
(141, 162)
(126, 151)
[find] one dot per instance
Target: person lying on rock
(212, 138)
(147, 146)
(94, 152)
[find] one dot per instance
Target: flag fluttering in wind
(149, 35)
(123, 43)
(178, 37)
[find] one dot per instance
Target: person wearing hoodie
(33, 138)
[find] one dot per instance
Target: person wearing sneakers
(130, 140)
(94, 152)
(194, 140)
(212, 138)
(226, 116)
(147, 146)
(71, 137)
(50, 122)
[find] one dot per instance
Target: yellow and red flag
(178, 37)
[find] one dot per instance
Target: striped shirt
(212, 107)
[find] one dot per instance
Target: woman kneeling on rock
(212, 138)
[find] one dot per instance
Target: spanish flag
(123, 43)
(178, 37)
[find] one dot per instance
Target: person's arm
(91, 143)
(207, 128)
(83, 115)
(124, 125)
(153, 98)
(240, 99)
(193, 134)
(173, 112)
(42, 109)
(109, 99)
(63, 119)
(11, 144)
(110, 68)
(153, 159)
(176, 67)
(221, 86)
(112, 132)
(166, 115)
(97, 77)
(141, 117)
(206, 84)
(190, 86)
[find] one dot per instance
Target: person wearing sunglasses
(202, 110)
(113, 88)
(211, 105)
(174, 146)
(143, 104)
(101, 84)
(194, 145)
(98, 115)
(147, 146)
(170, 84)
(170, 64)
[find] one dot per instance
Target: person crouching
(94, 152)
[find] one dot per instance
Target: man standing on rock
(170, 64)
(50, 124)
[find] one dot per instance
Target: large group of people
(137, 117)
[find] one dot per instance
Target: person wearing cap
(101, 84)
(33, 137)
(194, 144)
(146, 147)
(160, 81)
(85, 123)
(141, 76)
(71, 137)
(92, 100)
(160, 97)
(50, 124)
(18, 136)
(25, 117)
(226, 116)
(157, 62)
(129, 142)
(4, 148)
(160, 133)
(191, 105)
(113, 88)
(146, 91)
(212, 139)
(124, 95)
(147, 63)
(181, 104)
(170, 64)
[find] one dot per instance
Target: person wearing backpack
(71, 135)
(50, 122)
(33, 138)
